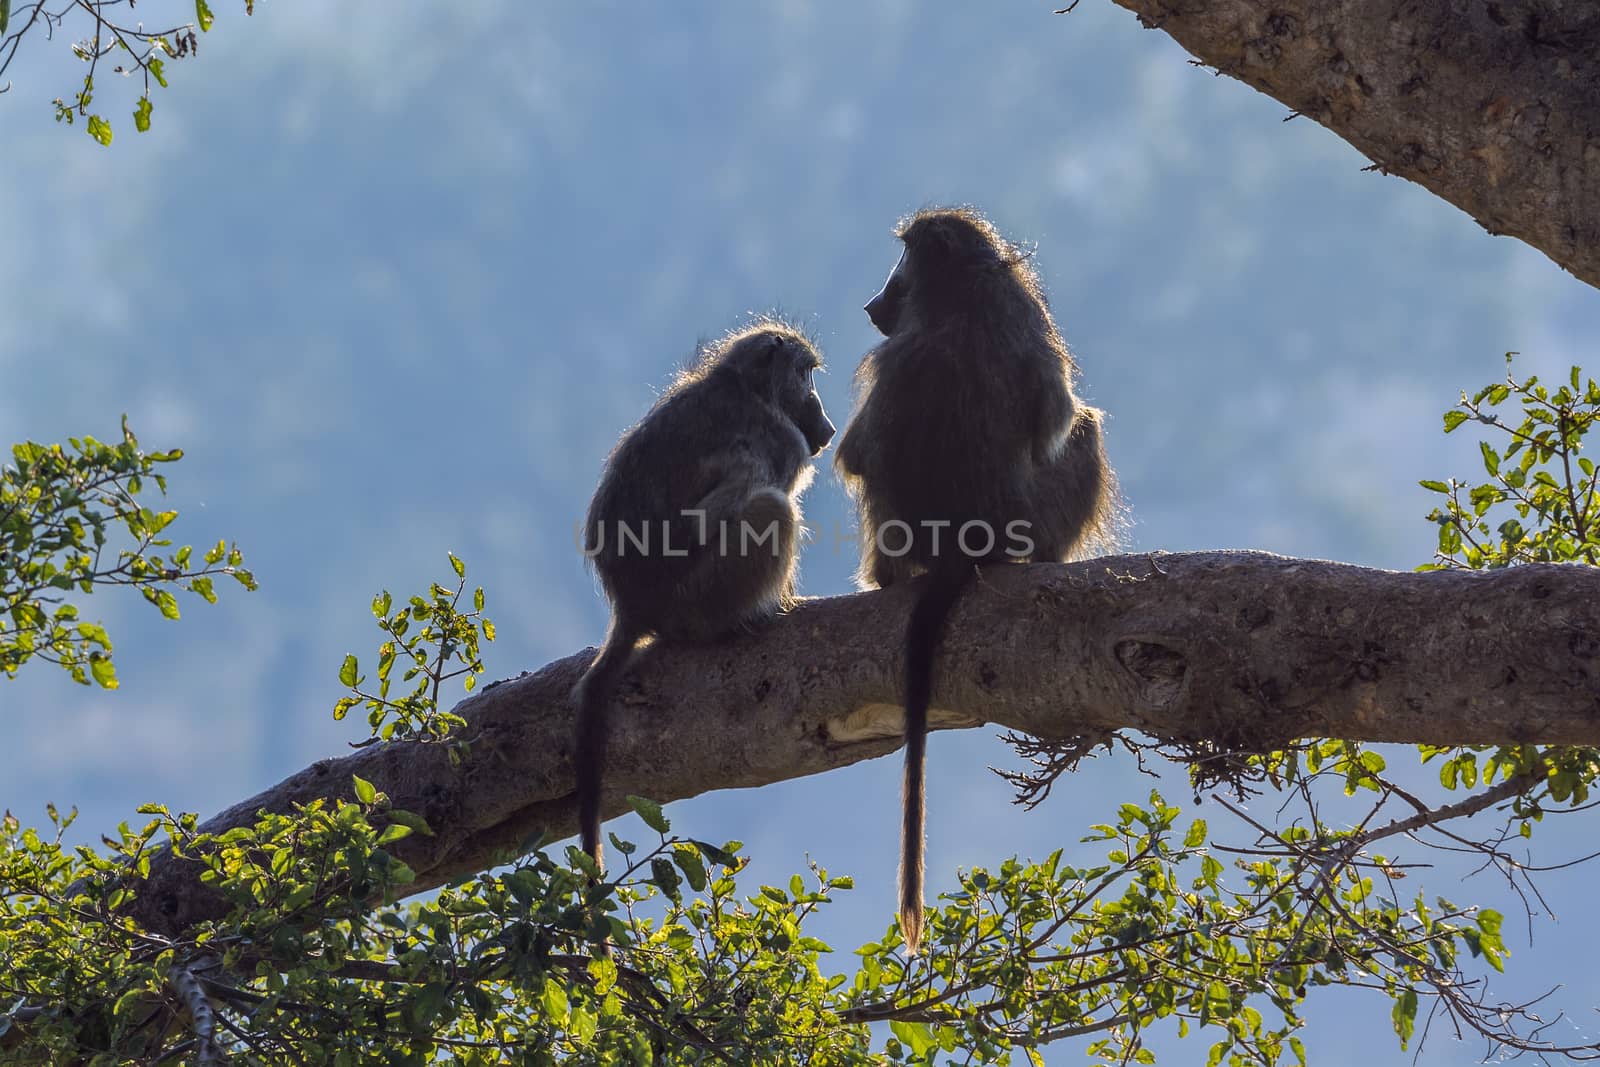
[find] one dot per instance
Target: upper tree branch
(1493, 106)
(1244, 648)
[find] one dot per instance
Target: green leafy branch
(445, 646)
(1540, 476)
(60, 508)
(313, 966)
(1333, 879)
(132, 48)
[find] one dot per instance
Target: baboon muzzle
(884, 311)
(820, 432)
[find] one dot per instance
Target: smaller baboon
(695, 526)
(966, 446)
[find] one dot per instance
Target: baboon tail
(938, 595)
(593, 696)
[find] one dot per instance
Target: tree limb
(1495, 107)
(1245, 649)
(192, 995)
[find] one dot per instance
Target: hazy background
(396, 278)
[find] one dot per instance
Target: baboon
(695, 525)
(966, 446)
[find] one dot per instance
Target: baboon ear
(761, 371)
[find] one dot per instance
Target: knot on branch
(1159, 671)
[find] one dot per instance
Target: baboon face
(812, 420)
(950, 257)
(779, 364)
(804, 406)
(884, 309)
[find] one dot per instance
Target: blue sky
(396, 284)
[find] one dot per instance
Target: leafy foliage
(60, 510)
(1538, 476)
(314, 966)
(444, 646)
(1548, 487)
(97, 32)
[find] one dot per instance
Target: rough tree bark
(1493, 105)
(1242, 647)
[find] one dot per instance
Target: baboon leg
(1074, 497)
(774, 525)
(742, 570)
(884, 570)
(880, 569)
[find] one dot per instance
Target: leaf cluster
(1538, 504)
(433, 641)
(71, 520)
(97, 32)
(318, 965)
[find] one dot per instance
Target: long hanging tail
(941, 588)
(593, 696)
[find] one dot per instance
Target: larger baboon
(695, 525)
(967, 445)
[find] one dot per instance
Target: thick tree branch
(1244, 648)
(1493, 106)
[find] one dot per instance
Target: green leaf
(411, 819)
(202, 14)
(688, 860)
(99, 129)
(141, 115)
(347, 672)
(1491, 458)
(1405, 1015)
(716, 855)
(457, 566)
(580, 859)
(130, 1002)
(554, 1002)
(104, 673)
(650, 812)
(917, 1035)
(165, 601)
(5, 15)
(1452, 419)
(665, 877)
(366, 792)
(523, 884)
(1437, 487)
(604, 973)
(96, 633)
(430, 1001)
